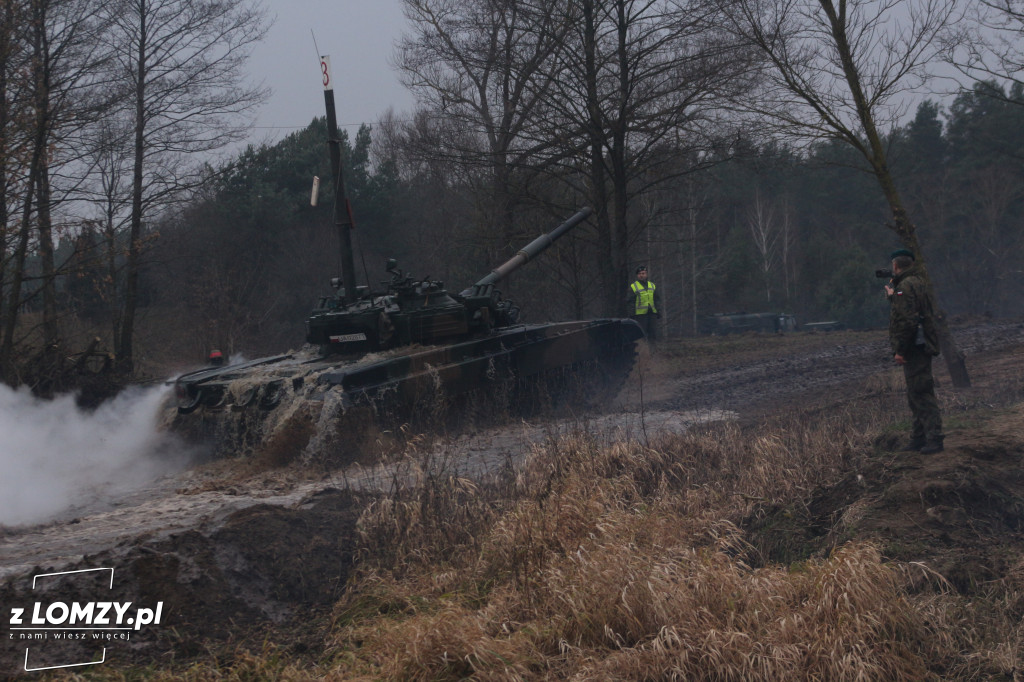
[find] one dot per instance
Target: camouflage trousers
(921, 396)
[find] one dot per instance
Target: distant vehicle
(735, 323)
(827, 326)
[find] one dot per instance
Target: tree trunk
(875, 153)
(110, 286)
(505, 204)
(10, 320)
(125, 351)
(610, 287)
(693, 271)
(41, 49)
(6, 32)
(46, 260)
(612, 300)
(40, 122)
(620, 189)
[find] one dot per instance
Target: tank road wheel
(215, 397)
(272, 395)
(188, 405)
(246, 397)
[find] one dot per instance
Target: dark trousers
(921, 396)
(648, 322)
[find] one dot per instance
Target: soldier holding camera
(914, 343)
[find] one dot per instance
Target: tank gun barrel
(532, 249)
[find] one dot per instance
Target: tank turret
(420, 311)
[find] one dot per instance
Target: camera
(883, 274)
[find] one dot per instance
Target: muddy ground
(232, 550)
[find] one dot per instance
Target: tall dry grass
(624, 560)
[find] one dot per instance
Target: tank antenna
(342, 208)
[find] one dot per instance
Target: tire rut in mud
(769, 384)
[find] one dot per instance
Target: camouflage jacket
(911, 306)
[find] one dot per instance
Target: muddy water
(204, 496)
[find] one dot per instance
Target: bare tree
(180, 63)
(642, 84)
(588, 91)
(482, 66)
(440, 237)
(840, 69)
(69, 95)
(699, 264)
(772, 229)
(997, 189)
(989, 44)
(62, 71)
(9, 67)
(764, 229)
(111, 198)
(15, 139)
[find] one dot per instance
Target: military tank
(402, 351)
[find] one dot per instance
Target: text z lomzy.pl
(87, 615)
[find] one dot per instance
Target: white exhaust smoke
(56, 457)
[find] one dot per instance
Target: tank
(404, 351)
(401, 352)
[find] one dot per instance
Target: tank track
(309, 403)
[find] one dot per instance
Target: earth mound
(959, 511)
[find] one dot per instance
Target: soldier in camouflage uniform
(914, 344)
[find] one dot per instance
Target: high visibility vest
(644, 297)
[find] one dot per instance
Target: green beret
(902, 252)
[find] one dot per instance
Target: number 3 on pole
(325, 71)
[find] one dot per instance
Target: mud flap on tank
(585, 385)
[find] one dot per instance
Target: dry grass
(624, 561)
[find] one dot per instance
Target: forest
(749, 169)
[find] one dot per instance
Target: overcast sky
(359, 36)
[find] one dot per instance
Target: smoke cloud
(57, 458)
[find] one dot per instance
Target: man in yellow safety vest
(644, 298)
